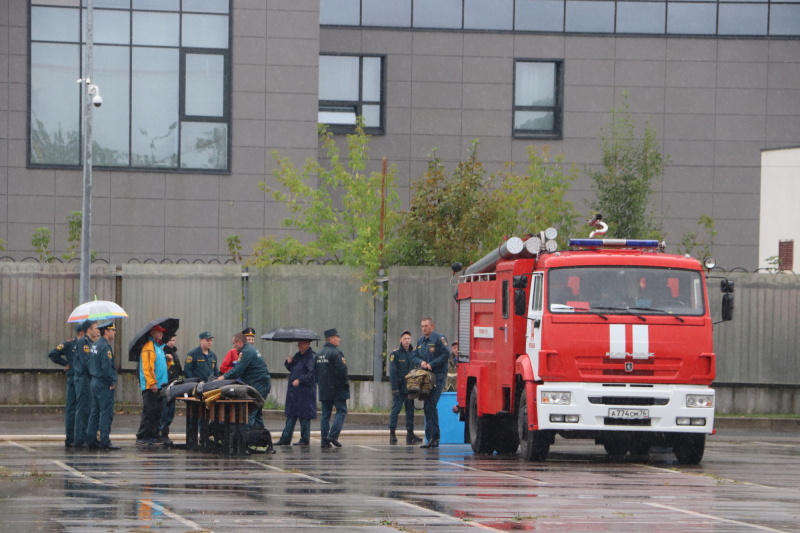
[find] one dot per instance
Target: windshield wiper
(625, 310)
(652, 309)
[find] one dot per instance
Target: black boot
(392, 436)
(411, 438)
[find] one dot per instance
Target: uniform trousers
(400, 401)
(83, 408)
(328, 431)
(431, 411)
(167, 415)
(69, 411)
(102, 414)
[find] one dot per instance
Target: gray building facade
(197, 94)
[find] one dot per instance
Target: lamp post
(91, 96)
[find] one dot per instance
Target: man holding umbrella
(83, 381)
(252, 370)
(301, 394)
(152, 376)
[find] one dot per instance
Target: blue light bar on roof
(617, 243)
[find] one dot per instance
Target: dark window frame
(558, 109)
(358, 105)
(227, 54)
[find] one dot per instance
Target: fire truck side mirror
(520, 282)
(520, 302)
(456, 267)
(727, 306)
(726, 286)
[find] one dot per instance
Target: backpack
(419, 384)
(259, 438)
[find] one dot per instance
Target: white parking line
(76, 473)
(173, 515)
(515, 476)
(726, 480)
(26, 448)
(711, 517)
(298, 474)
(441, 515)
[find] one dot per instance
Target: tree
(41, 244)
(450, 217)
(338, 206)
(532, 201)
(623, 186)
(693, 243)
(74, 231)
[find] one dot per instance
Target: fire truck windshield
(625, 290)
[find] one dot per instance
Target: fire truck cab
(610, 340)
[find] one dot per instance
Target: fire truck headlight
(556, 398)
(699, 400)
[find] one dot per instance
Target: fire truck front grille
(625, 422)
(598, 367)
(622, 400)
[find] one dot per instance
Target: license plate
(630, 414)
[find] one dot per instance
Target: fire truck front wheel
(534, 445)
(481, 434)
(689, 448)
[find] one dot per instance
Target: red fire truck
(610, 340)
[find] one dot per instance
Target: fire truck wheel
(616, 448)
(689, 448)
(533, 445)
(480, 427)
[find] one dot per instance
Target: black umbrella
(143, 335)
(291, 335)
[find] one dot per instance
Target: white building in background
(780, 216)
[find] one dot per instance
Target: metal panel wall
(760, 345)
(35, 302)
(418, 292)
(203, 297)
(318, 298)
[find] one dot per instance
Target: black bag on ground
(259, 438)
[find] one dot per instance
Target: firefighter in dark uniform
(62, 355)
(104, 383)
(399, 366)
(202, 362)
(252, 370)
(330, 373)
(83, 382)
(432, 353)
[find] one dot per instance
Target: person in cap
(83, 382)
(330, 373)
(62, 355)
(432, 353)
(252, 370)
(232, 357)
(201, 362)
(399, 366)
(174, 373)
(153, 374)
(249, 335)
(301, 394)
(104, 382)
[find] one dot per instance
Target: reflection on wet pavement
(745, 483)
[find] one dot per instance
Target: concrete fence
(756, 352)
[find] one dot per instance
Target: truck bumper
(625, 407)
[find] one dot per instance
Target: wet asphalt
(748, 481)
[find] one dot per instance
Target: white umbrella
(97, 310)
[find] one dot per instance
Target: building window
(163, 68)
(349, 87)
(537, 98)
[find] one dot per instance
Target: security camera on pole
(91, 97)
